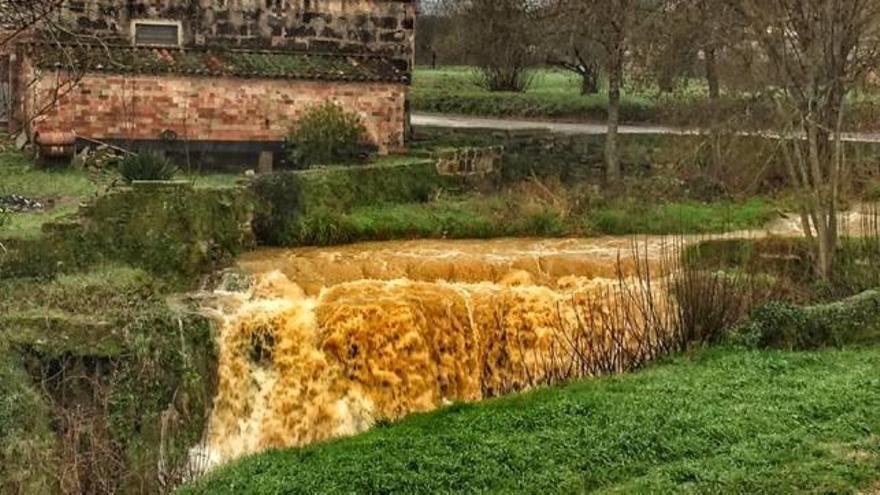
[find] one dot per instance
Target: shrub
(322, 227)
(278, 206)
(327, 134)
(146, 166)
(711, 303)
(787, 326)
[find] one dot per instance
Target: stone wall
(470, 161)
(379, 26)
(115, 107)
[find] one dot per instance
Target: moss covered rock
(113, 394)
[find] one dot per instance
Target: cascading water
(325, 343)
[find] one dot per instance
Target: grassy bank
(723, 420)
(514, 213)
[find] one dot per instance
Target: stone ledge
(151, 185)
(470, 161)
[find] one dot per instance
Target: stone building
(213, 75)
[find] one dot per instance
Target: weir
(328, 342)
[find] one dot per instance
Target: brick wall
(211, 109)
(379, 26)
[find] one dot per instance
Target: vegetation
(58, 189)
(341, 205)
(25, 429)
(503, 49)
(787, 326)
(722, 420)
(146, 166)
(103, 383)
(171, 230)
(551, 94)
(105, 376)
(327, 134)
(688, 217)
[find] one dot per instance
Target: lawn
(60, 189)
(552, 93)
(719, 421)
(555, 94)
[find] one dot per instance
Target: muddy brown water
(328, 341)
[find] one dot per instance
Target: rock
(18, 204)
(21, 141)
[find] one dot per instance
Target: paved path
(467, 122)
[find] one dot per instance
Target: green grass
(721, 421)
(19, 176)
(555, 94)
(686, 217)
(552, 93)
(479, 216)
(62, 189)
(28, 225)
(212, 180)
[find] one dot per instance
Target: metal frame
(156, 22)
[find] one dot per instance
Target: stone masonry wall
(213, 109)
(378, 26)
(470, 161)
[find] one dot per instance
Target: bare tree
(569, 44)
(497, 36)
(819, 50)
(44, 26)
(604, 28)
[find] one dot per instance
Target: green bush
(322, 227)
(278, 206)
(327, 134)
(146, 166)
(787, 326)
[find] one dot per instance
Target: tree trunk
(612, 155)
(712, 75)
(714, 96)
(589, 83)
(826, 241)
(822, 175)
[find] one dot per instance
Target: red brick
(221, 109)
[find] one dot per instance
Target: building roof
(219, 62)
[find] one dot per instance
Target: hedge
(291, 203)
(851, 321)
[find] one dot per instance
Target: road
(467, 122)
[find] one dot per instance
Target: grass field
(60, 189)
(555, 94)
(552, 94)
(720, 421)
